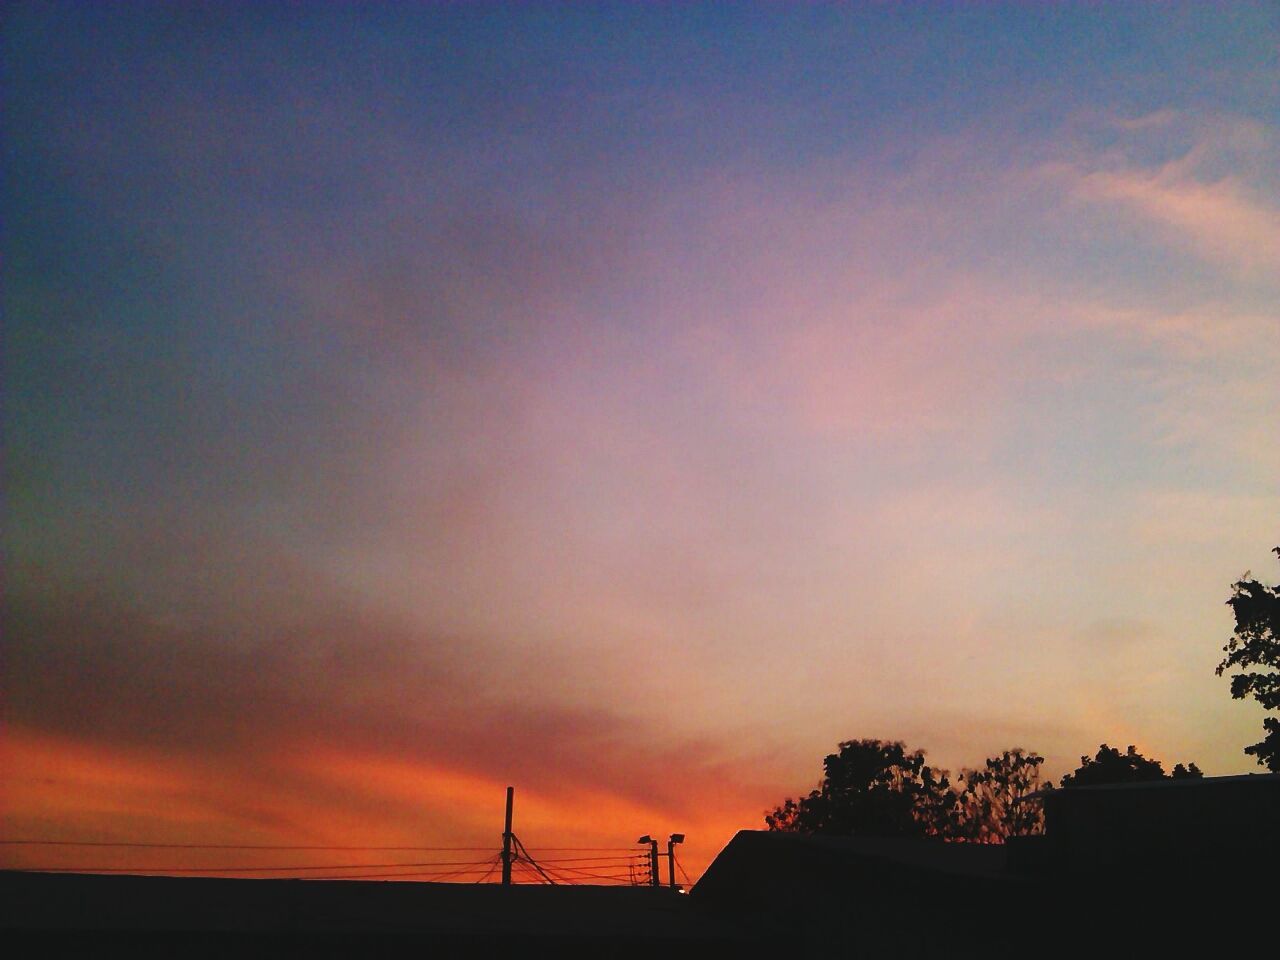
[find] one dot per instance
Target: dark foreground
(870, 901)
(1126, 870)
(80, 915)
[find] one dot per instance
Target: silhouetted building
(1124, 868)
(1177, 826)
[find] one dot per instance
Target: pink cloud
(1210, 198)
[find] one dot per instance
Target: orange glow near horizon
(63, 789)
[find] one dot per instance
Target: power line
(593, 859)
(581, 849)
(538, 876)
(588, 871)
(226, 846)
(566, 869)
(529, 858)
(572, 874)
(440, 878)
(680, 867)
(492, 865)
(401, 874)
(327, 866)
(586, 875)
(590, 868)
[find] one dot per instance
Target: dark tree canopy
(879, 788)
(1256, 643)
(872, 788)
(995, 802)
(1112, 766)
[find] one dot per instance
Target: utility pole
(653, 859)
(671, 857)
(506, 840)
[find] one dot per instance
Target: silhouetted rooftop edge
(1165, 784)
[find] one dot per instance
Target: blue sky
(688, 387)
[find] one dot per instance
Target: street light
(653, 859)
(671, 857)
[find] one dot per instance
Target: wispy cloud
(1219, 219)
(1201, 377)
(1208, 195)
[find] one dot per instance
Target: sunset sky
(623, 402)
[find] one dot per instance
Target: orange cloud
(60, 788)
(53, 775)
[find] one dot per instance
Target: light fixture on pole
(653, 859)
(671, 857)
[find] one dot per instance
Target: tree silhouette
(1112, 766)
(873, 788)
(994, 805)
(1256, 642)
